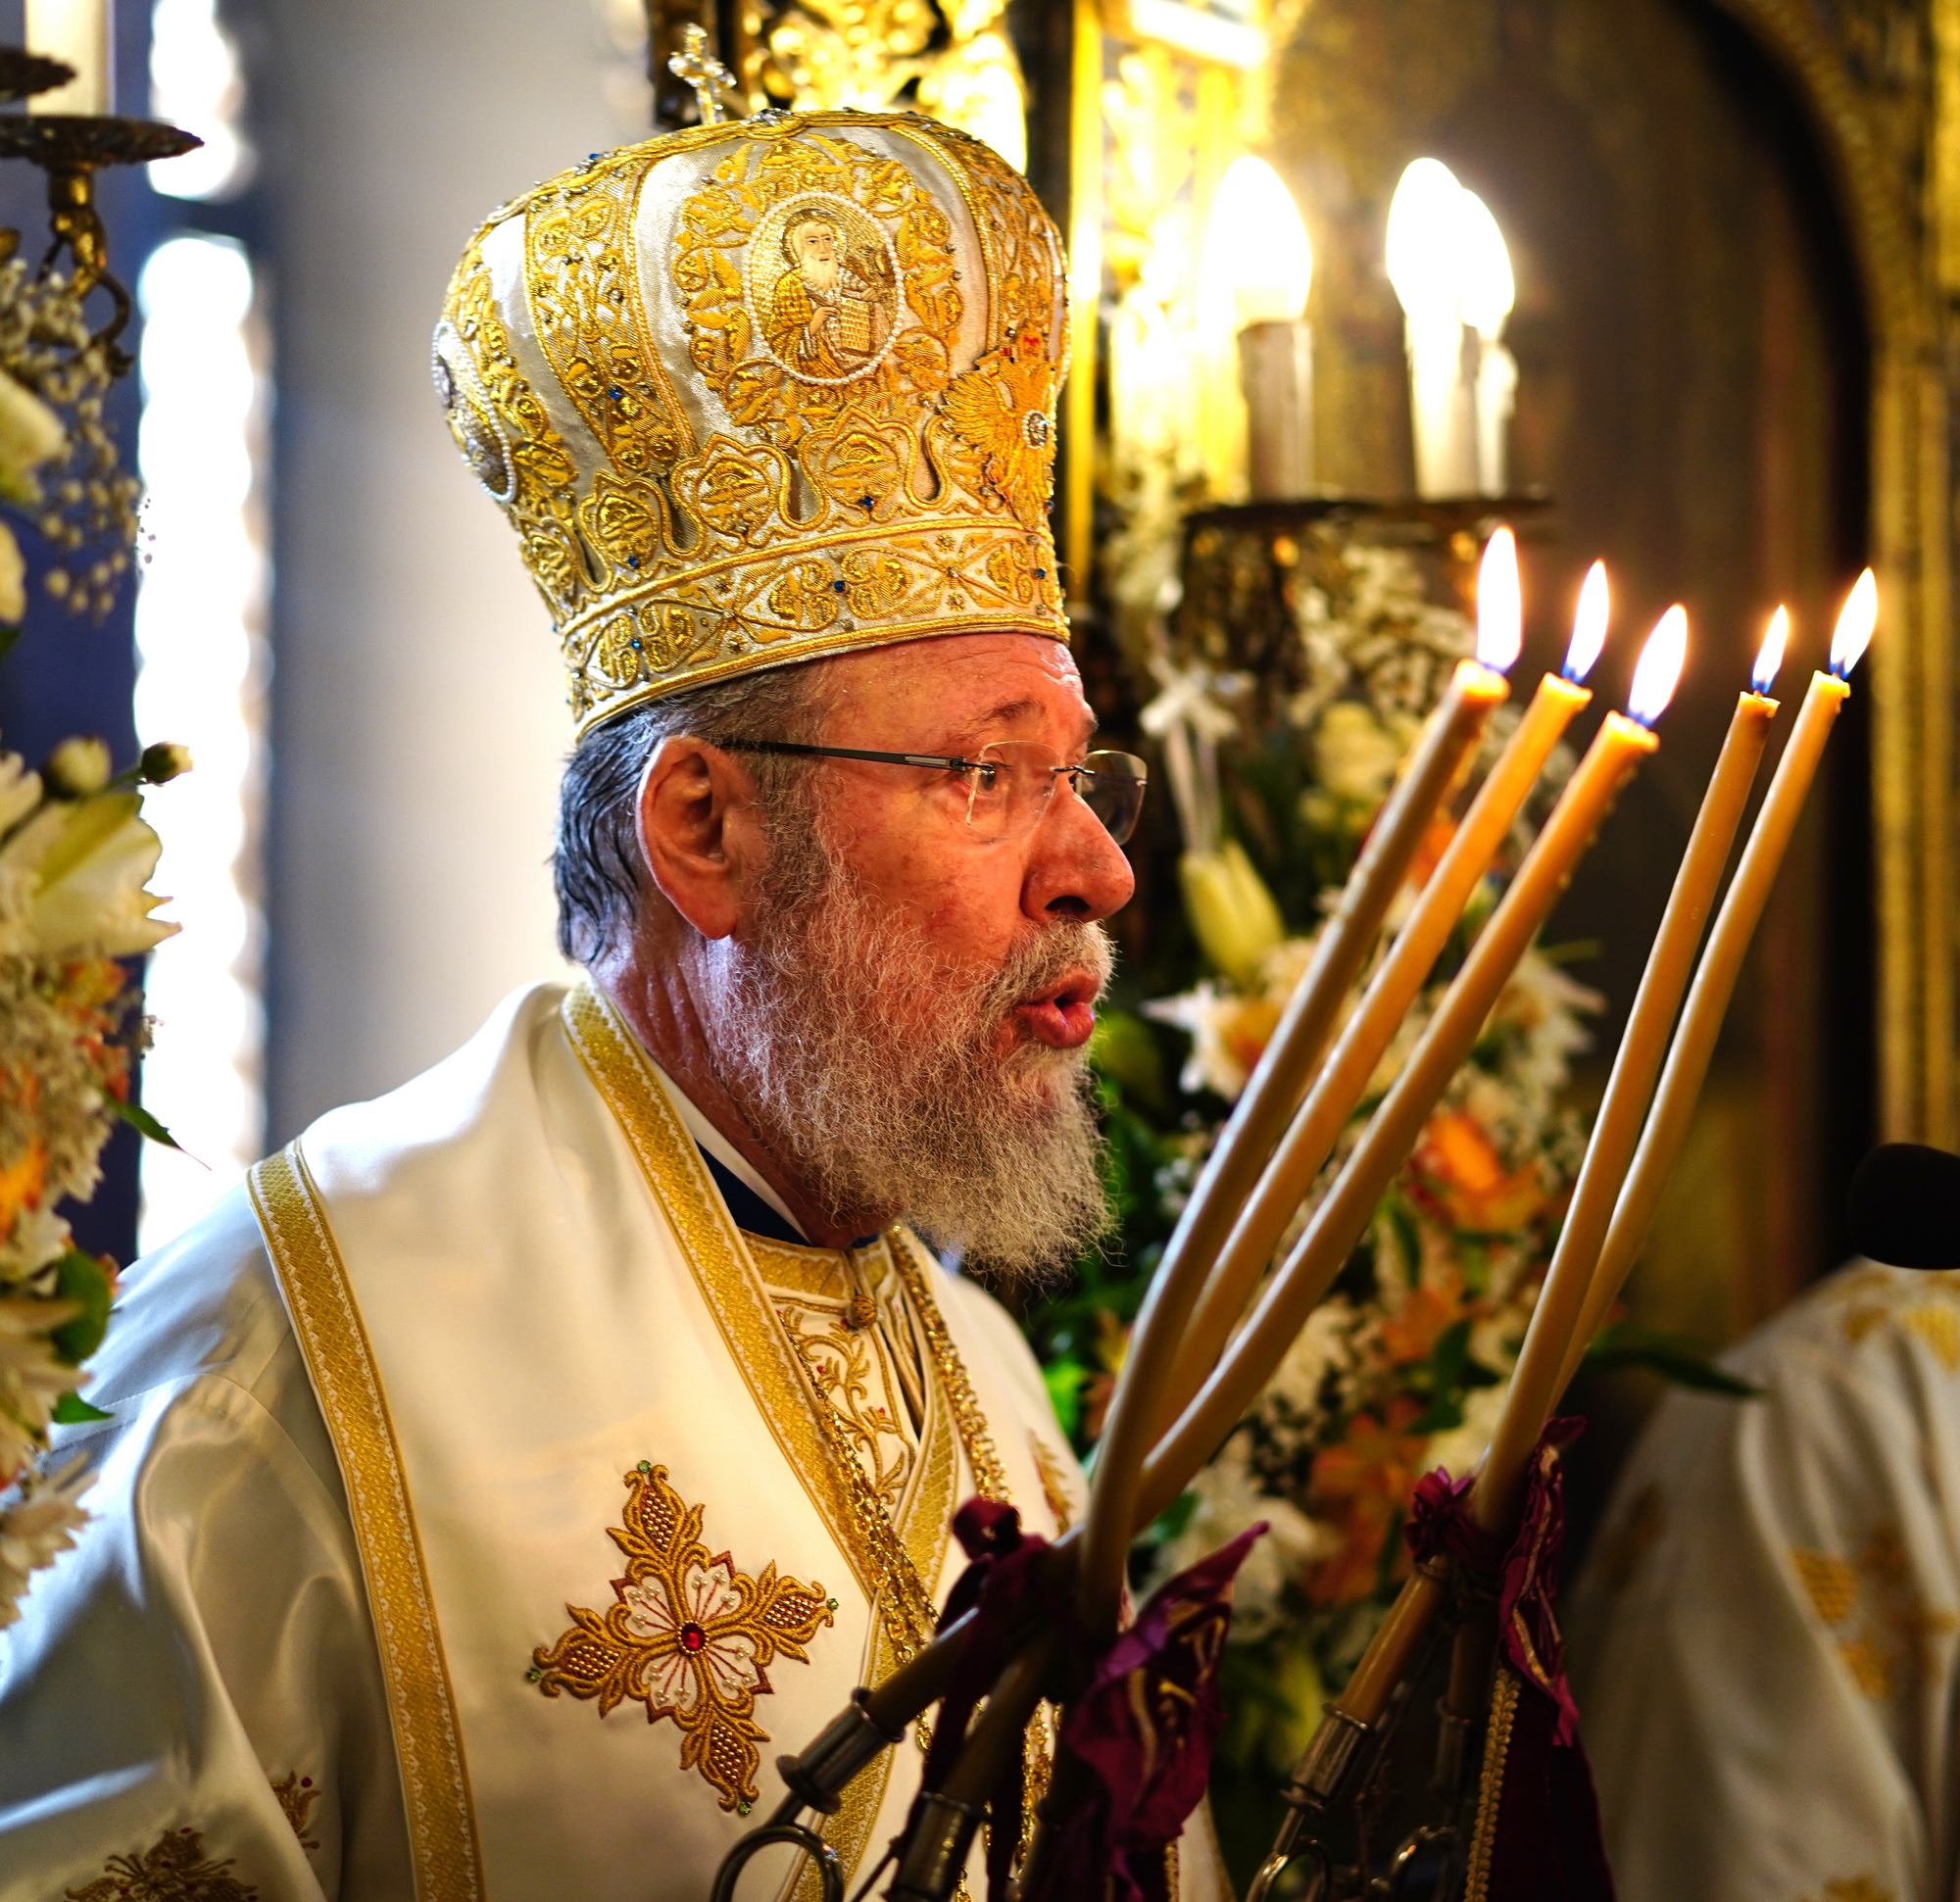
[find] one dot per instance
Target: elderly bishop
(533, 1454)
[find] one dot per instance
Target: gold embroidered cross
(715, 88)
(688, 1637)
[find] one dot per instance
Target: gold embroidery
(1504, 1687)
(1887, 1646)
(1832, 1582)
(1054, 1483)
(1924, 1304)
(504, 433)
(297, 1796)
(1859, 1321)
(846, 1313)
(690, 1637)
(1940, 1328)
(340, 1361)
(174, 1868)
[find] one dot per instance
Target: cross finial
(714, 85)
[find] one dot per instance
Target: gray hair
(597, 865)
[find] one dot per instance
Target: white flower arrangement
(75, 861)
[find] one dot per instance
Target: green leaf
(72, 1410)
(144, 1124)
(8, 636)
(1064, 1381)
(1673, 1356)
(81, 1278)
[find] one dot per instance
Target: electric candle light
(1277, 1085)
(1451, 272)
(1385, 1002)
(1540, 1372)
(79, 33)
(1389, 1139)
(1256, 244)
(1722, 962)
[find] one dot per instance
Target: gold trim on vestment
(1491, 1785)
(421, 1706)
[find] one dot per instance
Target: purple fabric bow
(1146, 1724)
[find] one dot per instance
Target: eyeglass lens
(1010, 783)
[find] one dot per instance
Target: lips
(1062, 1016)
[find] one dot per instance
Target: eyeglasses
(1009, 783)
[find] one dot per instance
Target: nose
(1074, 868)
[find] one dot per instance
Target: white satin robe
(374, 1429)
(1767, 1635)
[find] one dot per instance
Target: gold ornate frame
(1906, 241)
(1908, 258)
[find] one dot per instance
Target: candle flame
(1588, 624)
(1855, 625)
(1769, 657)
(1499, 604)
(1659, 666)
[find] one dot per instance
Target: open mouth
(1062, 1015)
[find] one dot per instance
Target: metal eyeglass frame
(942, 762)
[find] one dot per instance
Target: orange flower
(1362, 1485)
(22, 1182)
(1248, 1029)
(1413, 1330)
(1464, 1178)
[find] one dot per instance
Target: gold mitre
(765, 390)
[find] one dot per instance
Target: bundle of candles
(1193, 1367)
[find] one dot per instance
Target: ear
(699, 832)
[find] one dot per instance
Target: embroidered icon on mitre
(691, 1638)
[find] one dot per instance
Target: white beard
(869, 1064)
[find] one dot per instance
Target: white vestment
(469, 1524)
(1765, 1635)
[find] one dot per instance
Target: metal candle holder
(71, 148)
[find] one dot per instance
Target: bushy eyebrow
(1011, 710)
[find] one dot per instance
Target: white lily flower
(20, 790)
(13, 578)
(37, 1526)
(89, 871)
(30, 434)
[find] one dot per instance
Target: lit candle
(1537, 1376)
(1255, 241)
(1269, 1099)
(1385, 1002)
(79, 33)
(1385, 1144)
(1720, 964)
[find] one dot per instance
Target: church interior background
(1734, 231)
